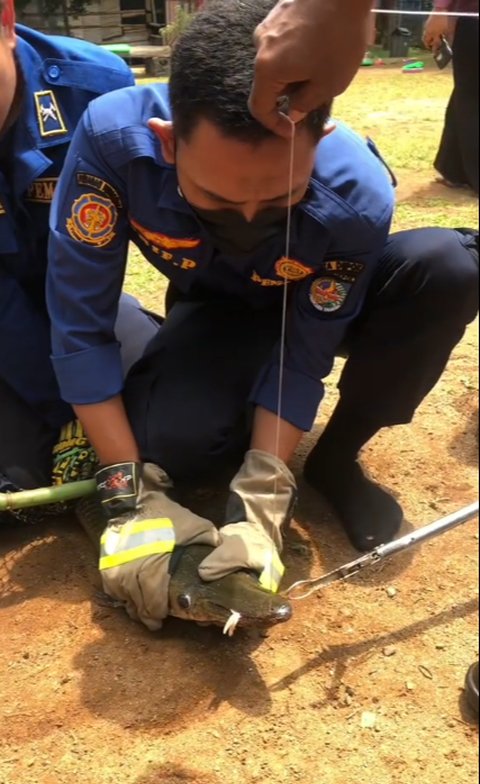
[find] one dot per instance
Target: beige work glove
(261, 502)
(144, 527)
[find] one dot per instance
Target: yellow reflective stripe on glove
(271, 577)
(135, 540)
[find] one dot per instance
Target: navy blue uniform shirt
(60, 77)
(116, 187)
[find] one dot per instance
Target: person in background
(457, 157)
(45, 85)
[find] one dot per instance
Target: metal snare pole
(304, 588)
(25, 499)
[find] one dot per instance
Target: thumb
(232, 555)
(263, 105)
(306, 98)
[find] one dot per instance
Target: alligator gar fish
(234, 601)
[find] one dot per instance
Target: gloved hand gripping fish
(165, 580)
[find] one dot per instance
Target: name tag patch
(41, 191)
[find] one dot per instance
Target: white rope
(400, 12)
(283, 332)
(285, 288)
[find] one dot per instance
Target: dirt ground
(87, 696)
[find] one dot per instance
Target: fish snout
(282, 613)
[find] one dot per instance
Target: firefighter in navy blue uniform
(205, 200)
(47, 82)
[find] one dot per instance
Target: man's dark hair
(212, 72)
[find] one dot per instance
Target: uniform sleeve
(87, 259)
(322, 308)
(25, 353)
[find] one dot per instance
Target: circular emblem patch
(328, 294)
(93, 220)
(289, 269)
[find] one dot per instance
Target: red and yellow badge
(328, 294)
(159, 240)
(290, 269)
(93, 220)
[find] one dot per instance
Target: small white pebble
(391, 592)
(368, 720)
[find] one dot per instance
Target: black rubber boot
(471, 688)
(369, 515)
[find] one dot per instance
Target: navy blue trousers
(26, 441)
(187, 397)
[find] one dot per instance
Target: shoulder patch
(328, 295)
(2, 209)
(92, 181)
(93, 220)
(49, 116)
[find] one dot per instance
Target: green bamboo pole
(47, 495)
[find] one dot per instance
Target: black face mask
(235, 236)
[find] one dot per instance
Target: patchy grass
(404, 115)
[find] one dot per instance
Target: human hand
(310, 51)
(144, 528)
(262, 497)
(436, 27)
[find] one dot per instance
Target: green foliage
(172, 32)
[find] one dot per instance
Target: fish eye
(184, 601)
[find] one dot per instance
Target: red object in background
(8, 14)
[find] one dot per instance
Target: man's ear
(10, 36)
(164, 132)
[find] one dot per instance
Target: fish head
(194, 599)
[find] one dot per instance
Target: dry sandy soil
(87, 696)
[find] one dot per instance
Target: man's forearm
(109, 432)
(265, 435)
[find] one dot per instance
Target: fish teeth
(231, 624)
